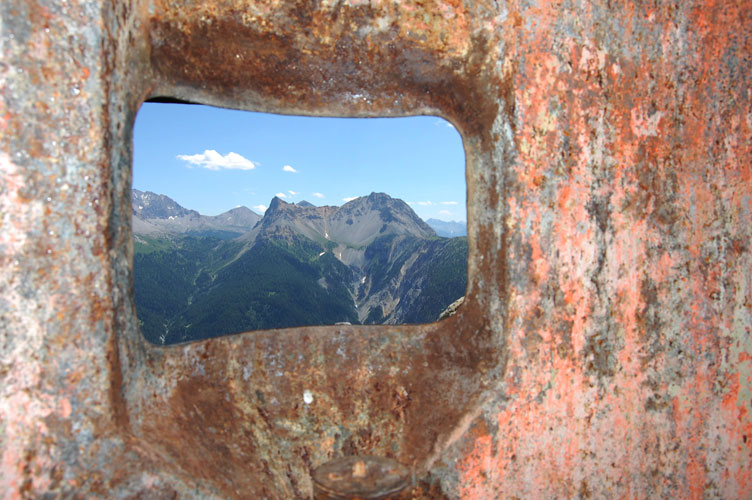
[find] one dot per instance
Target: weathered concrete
(603, 349)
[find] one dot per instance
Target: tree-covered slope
(167, 273)
(275, 284)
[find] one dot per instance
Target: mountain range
(448, 229)
(159, 215)
(372, 260)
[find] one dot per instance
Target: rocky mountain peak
(239, 216)
(396, 216)
(354, 224)
(276, 204)
(148, 205)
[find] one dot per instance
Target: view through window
(247, 221)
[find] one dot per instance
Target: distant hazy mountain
(157, 215)
(448, 229)
(372, 260)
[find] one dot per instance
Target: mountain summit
(148, 205)
(348, 229)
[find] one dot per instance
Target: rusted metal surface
(604, 346)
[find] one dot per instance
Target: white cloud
(281, 195)
(350, 198)
(288, 168)
(294, 193)
(212, 160)
(259, 208)
(431, 203)
(318, 195)
(445, 212)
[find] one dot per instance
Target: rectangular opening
(248, 221)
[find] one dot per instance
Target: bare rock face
(603, 348)
(354, 224)
(452, 309)
(148, 205)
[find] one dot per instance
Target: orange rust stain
(65, 408)
(589, 109)
(475, 467)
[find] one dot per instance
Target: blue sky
(211, 159)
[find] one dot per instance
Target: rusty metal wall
(604, 347)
